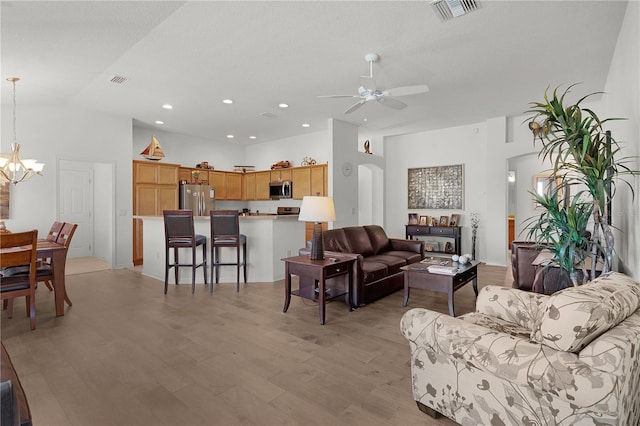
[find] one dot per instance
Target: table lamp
(317, 210)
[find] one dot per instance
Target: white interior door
(76, 205)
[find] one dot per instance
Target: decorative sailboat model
(153, 151)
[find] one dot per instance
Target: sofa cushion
(573, 317)
(379, 240)
(393, 263)
(358, 240)
(408, 256)
(373, 271)
(336, 240)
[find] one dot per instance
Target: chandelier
(12, 168)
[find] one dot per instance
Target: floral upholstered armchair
(524, 358)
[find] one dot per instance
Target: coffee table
(417, 275)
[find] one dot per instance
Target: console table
(452, 232)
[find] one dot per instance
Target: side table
(317, 272)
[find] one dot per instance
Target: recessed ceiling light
(159, 122)
(364, 119)
(283, 105)
(252, 137)
(167, 106)
(227, 101)
(230, 136)
(306, 125)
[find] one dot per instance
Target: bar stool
(179, 233)
(225, 232)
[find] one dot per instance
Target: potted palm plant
(562, 229)
(582, 152)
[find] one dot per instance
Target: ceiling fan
(382, 96)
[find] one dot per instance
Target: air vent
(268, 114)
(449, 9)
(118, 79)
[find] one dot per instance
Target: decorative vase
(473, 247)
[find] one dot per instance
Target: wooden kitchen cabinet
(234, 186)
(318, 180)
(249, 186)
(280, 175)
(301, 180)
(309, 180)
(262, 185)
(155, 188)
(193, 175)
(219, 182)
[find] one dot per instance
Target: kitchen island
(269, 239)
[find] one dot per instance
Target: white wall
(103, 218)
(622, 99)
(188, 150)
(459, 145)
(293, 149)
(344, 143)
(50, 133)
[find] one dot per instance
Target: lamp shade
(317, 209)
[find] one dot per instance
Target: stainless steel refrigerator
(199, 198)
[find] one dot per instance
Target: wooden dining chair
(54, 231)
(225, 232)
(19, 249)
(44, 269)
(179, 234)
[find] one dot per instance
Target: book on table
(443, 269)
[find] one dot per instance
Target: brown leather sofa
(523, 253)
(379, 259)
(530, 278)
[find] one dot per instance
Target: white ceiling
(489, 63)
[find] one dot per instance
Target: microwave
(278, 190)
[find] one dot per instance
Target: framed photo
(424, 220)
(439, 187)
(444, 221)
(431, 246)
(413, 218)
(433, 221)
(454, 220)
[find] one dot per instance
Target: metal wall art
(440, 187)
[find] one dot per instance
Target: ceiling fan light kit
(382, 96)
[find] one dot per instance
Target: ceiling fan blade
(392, 103)
(339, 96)
(408, 90)
(355, 107)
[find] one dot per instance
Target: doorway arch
(370, 194)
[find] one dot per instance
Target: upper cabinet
(234, 186)
(262, 185)
(281, 175)
(249, 186)
(311, 180)
(228, 185)
(307, 180)
(219, 182)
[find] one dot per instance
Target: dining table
(47, 249)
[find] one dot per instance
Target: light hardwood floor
(125, 354)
